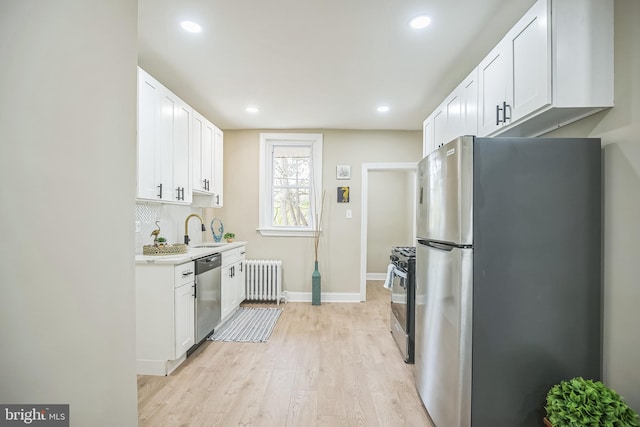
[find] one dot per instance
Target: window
(290, 183)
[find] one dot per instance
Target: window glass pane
(292, 171)
(290, 207)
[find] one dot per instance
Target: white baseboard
(376, 276)
(324, 297)
(158, 367)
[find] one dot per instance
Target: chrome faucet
(186, 227)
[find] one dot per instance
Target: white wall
(67, 168)
(619, 129)
(389, 220)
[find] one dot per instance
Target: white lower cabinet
(164, 316)
(184, 318)
(240, 276)
(232, 280)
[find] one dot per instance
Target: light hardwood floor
(330, 365)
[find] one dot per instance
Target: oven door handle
(399, 273)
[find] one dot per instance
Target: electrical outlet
(138, 226)
(349, 214)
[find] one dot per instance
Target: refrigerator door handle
(436, 245)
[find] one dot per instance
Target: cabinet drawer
(184, 273)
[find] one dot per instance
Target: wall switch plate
(349, 214)
(138, 226)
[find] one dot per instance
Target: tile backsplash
(171, 221)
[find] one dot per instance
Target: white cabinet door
(530, 67)
(165, 143)
(148, 113)
(184, 318)
(428, 143)
(196, 150)
(439, 127)
(181, 152)
(202, 158)
(469, 104)
(218, 151)
(228, 291)
(493, 81)
(240, 277)
(453, 111)
(206, 180)
(230, 275)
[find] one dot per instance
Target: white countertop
(192, 253)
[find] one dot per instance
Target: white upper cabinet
(553, 67)
(164, 127)
(428, 143)
(202, 159)
(440, 125)
(469, 104)
(218, 151)
(148, 153)
(455, 117)
(515, 76)
(207, 163)
(182, 152)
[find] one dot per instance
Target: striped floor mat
(248, 325)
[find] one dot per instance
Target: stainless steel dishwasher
(207, 296)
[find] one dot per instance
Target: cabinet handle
(207, 185)
(498, 109)
(504, 109)
(160, 188)
(187, 273)
(194, 291)
(217, 199)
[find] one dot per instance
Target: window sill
(285, 232)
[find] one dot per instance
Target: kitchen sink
(210, 245)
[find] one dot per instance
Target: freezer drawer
(443, 332)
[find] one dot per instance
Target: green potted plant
(585, 403)
(161, 241)
(229, 236)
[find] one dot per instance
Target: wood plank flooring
(330, 365)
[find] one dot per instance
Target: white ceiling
(318, 64)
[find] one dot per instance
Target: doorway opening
(404, 213)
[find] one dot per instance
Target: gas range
(403, 257)
(402, 319)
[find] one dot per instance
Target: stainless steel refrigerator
(508, 276)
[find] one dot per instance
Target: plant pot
(546, 422)
(230, 240)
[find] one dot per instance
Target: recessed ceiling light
(420, 22)
(251, 109)
(382, 108)
(191, 26)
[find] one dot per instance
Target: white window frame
(267, 142)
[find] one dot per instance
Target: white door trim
(366, 168)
